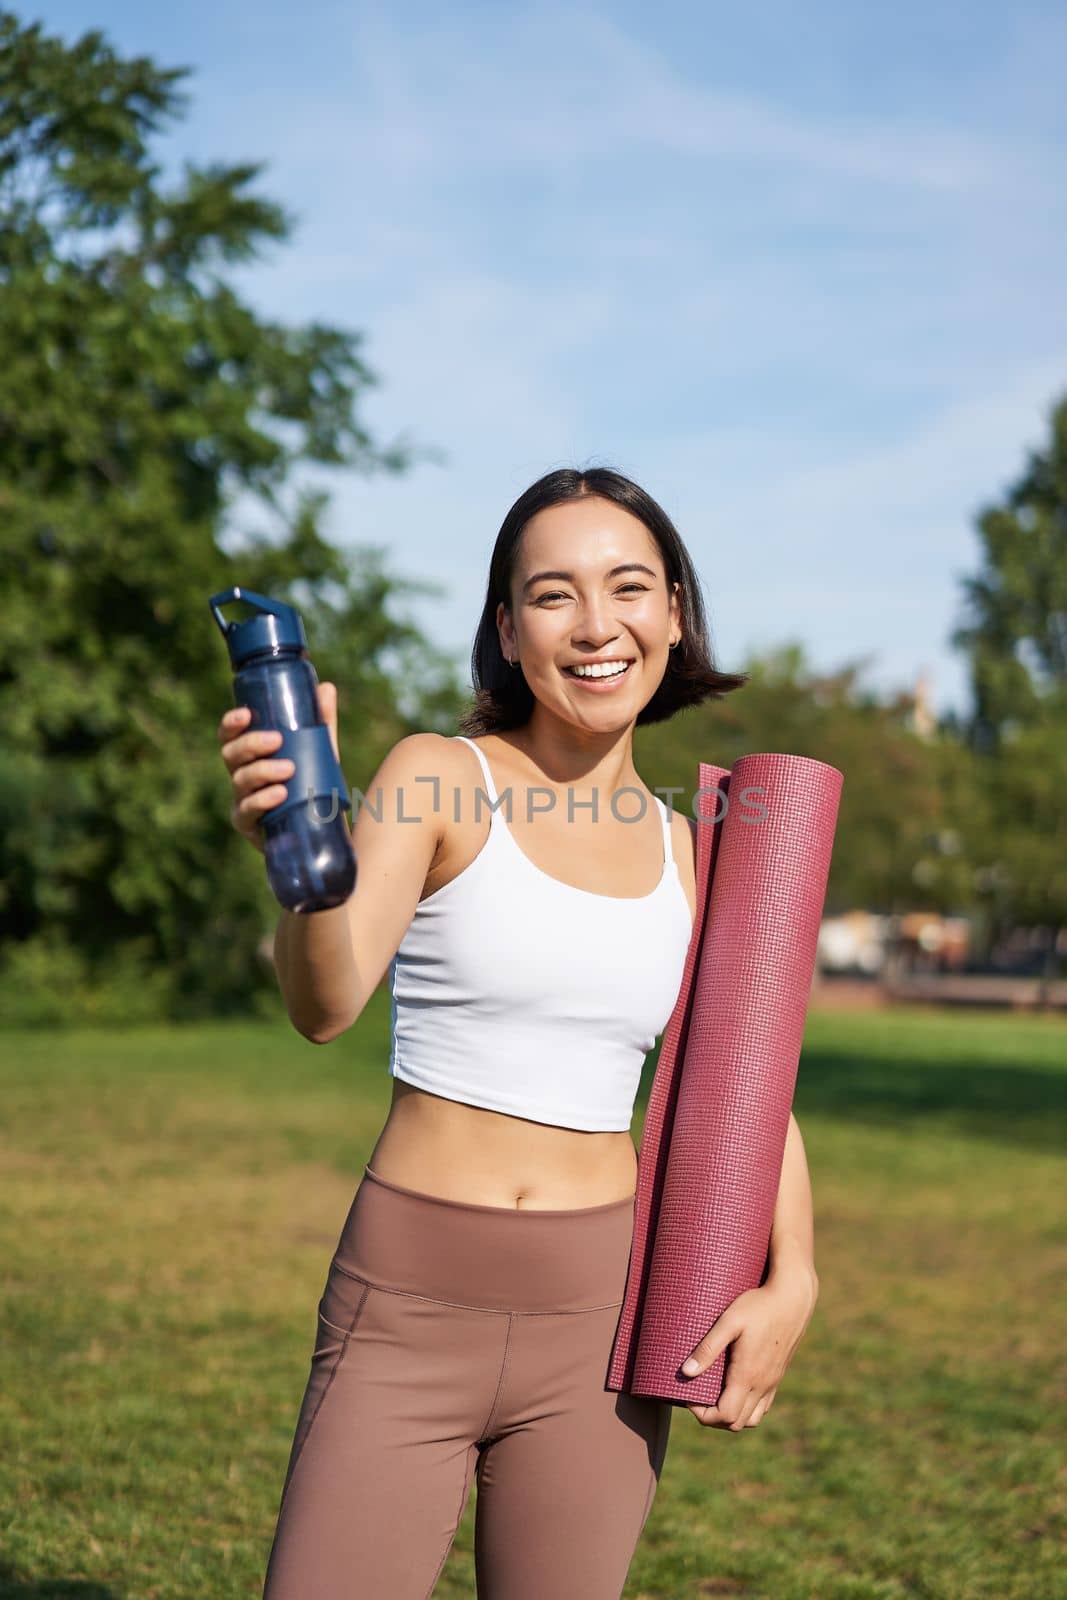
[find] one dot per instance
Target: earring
(513, 661)
(675, 645)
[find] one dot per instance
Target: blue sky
(799, 271)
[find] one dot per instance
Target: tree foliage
(897, 799)
(1015, 635)
(140, 399)
(1014, 630)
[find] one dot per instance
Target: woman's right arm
(330, 962)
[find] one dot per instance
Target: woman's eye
(554, 594)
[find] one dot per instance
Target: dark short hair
(502, 698)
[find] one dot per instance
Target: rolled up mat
(714, 1134)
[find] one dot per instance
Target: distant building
(923, 718)
(861, 942)
(852, 942)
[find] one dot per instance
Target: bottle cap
(274, 625)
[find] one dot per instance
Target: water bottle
(311, 865)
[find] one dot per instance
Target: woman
(471, 1305)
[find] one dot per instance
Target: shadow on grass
(1023, 1105)
(12, 1587)
(1017, 1105)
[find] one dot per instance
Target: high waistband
(493, 1258)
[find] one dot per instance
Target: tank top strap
(489, 784)
(668, 853)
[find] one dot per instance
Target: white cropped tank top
(518, 992)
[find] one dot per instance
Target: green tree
(139, 399)
(1014, 632)
(1014, 628)
(898, 790)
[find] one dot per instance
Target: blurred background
(303, 299)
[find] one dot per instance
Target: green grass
(171, 1199)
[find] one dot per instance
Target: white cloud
(560, 87)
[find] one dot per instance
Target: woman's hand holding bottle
(258, 778)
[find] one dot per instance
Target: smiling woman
(472, 1301)
(565, 512)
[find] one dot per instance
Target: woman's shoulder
(422, 754)
(414, 769)
(418, 781)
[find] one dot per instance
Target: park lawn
(172, 1197)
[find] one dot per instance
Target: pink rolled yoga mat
(714, 1134)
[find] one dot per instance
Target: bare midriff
(462, 1152)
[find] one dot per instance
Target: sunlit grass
(171, 1199)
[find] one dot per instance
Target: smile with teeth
(600, 669)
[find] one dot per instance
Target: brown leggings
(457, 1341)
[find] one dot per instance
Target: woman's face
(590, 586)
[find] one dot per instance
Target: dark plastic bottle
(311, 865)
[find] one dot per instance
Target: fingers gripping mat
(714, 1133)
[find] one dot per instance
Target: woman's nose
(596, 625)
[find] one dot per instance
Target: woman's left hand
(764, 1327)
